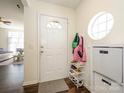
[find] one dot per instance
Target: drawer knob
(103, 52)
(105, 81)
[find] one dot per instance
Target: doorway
(11, 46)
(53, 48)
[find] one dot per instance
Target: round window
(100, 25)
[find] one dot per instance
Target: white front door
(53, 48)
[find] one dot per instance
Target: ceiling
(10, 12)
(67, 3)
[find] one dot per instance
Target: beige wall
(87, 9)
(31, 16)
(9, 11)
(3, 38)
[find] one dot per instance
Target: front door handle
(41, 47)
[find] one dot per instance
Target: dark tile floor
(74, 89)
(11, 78)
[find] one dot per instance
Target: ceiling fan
(5, 21)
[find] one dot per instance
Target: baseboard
(30, 83)
(33, 88)
(88, 87)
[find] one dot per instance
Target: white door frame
(38, 40)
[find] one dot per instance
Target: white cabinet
(105, 85)
(109, 62)
(99, 85)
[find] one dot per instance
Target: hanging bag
(75, 42)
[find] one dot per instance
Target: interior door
(53, 48)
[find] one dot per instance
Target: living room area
(11, 46)
(11, 32)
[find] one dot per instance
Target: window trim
(17, 37)
(94, 20)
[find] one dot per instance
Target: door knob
(41, 47)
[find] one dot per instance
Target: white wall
(87, 9)
(31, 31)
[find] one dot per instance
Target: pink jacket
(79, 52)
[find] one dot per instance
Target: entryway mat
(66, 91)
(53, 86)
